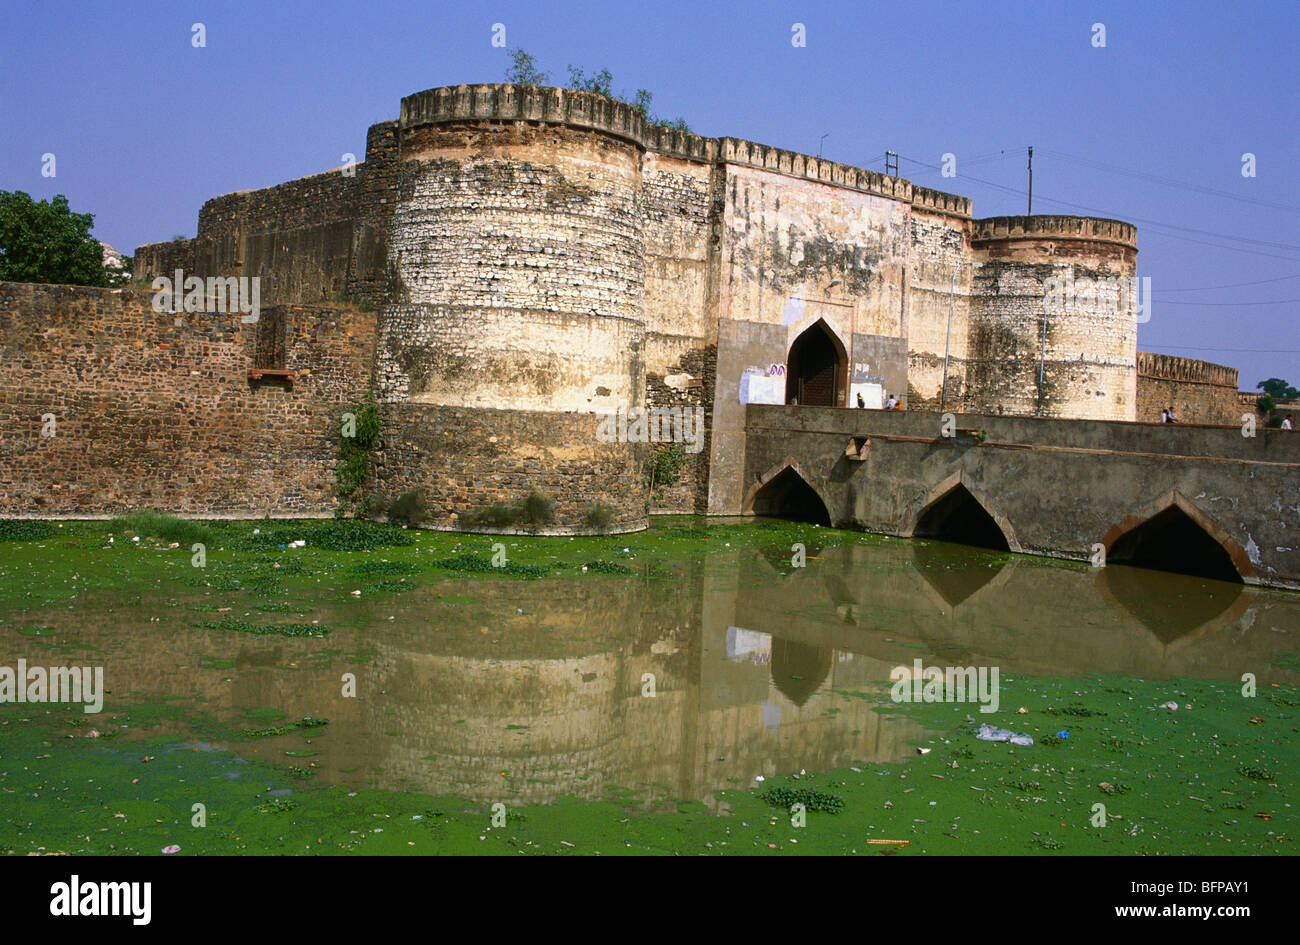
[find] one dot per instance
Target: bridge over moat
(1197, 500)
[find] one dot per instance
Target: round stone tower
(1053, 317)
(511, 318)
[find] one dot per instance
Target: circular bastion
(512, 319)
(1054, 314)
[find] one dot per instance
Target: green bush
(533, 510)
(536, 509)
(472, 564)
(151, 524)
(355, 451)
(663, 467)
(336, 535)
(13, 529)
(408, 508)
(598, 516)
(498, 515)
(786, 798)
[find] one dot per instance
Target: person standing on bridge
(862, 404)
(1286, 423)
(891, 403)
(1167, 416)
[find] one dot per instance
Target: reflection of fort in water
(749, 656)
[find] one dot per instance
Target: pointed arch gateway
(1172, 534)
(817, 368)
(954, 512)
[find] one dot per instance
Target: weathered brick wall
(681, 220)
(297, 237)
(682, 206)
(522, 271)
(936, 280)
(1091, 345)
(689, 384)
(467, 458)
(1197, 391)
(156, 411)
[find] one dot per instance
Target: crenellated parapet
(1168, 367)
(501, 102)
(937, 200)
(1054, 227)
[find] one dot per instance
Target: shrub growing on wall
(663, 467)
(357, 436)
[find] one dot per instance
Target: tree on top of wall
(602, 83)
(524, 71)
(1278, 389)
(44, 241)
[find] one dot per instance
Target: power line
(1234, 304)
(1249, 350)
(1156, 232)
(1171, 182)
(1231, 285)
(1020, 193)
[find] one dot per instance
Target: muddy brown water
(736, 666)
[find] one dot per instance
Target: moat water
(696, 670)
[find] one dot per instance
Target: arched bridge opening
(957, 516)
(787, 495)
(1173, 541)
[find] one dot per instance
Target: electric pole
(1030, 210)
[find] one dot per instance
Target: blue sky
(1150, 129)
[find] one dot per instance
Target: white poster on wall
(873, 395)
(758, 389)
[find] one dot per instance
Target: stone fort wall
(154, 410)
(550, 252)
(1197, 391)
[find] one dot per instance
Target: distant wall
(157, 411)
(297, 237)
(1198, 391)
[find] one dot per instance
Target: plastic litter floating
(989, 733)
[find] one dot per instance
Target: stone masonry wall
(297, 237)
(465, 459)
(1078, 273)
(520, 262)
(936, 281)
(1198, 391)
(156, 411)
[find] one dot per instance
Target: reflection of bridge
(1196, 500)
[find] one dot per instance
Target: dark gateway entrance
(1171, 541)
(958, 517)
(816, 369)
(788, 496)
